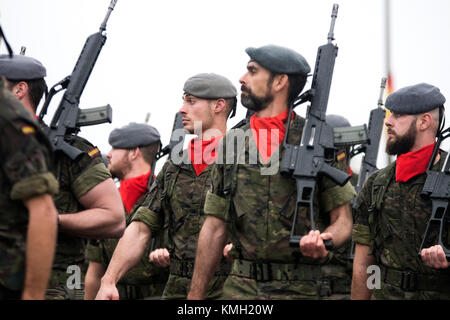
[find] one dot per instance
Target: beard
(119, 169)
(253, 102)
(404, 143)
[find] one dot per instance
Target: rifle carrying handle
(295, 242)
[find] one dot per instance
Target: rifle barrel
(333, 21)
(112, 4)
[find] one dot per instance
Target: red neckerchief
(264, 128)
(413, 163)
(132, 189)
(202, 153)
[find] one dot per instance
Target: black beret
(21, 67)
(209, 86)
(279, 59)
(133, 135)
(415, 99)
(336, 121)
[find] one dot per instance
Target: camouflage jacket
(75, 178)
(177, 197)
(262, 200)
(393, 222)
(144, 272)
(25, 159)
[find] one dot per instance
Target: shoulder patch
(341, 156)
(28, 130)
(93, 152)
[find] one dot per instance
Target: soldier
(179, 191)
(88, 202)
(130, 160)
(390, 214)
(259, 207)
(28, 219)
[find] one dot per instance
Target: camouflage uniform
(391, 218)
(143, 281)
(75, 178)
(341, 256)
(178, 196)
(259, 211)
(25, 162)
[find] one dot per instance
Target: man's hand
(160, 257)
(108, 291)
(434, 257)
(226, 250)
(312, 244)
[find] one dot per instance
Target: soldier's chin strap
(8, 47)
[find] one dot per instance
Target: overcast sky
(154, 46)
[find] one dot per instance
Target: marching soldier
(28, 217)
(130, 160)
(88, 202)
(258, 208)
(391, 216)
(178, 193)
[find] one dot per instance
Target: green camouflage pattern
(25, 172)
(340, 256)
(143, 281)
(240, 288)
(75, 178)
(264, 206)
(177, 197)
(393, 224)
(177, 288)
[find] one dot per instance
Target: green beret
(415, 99)
(21, 67)
(133, 135)
(279, 59)
(210, 86)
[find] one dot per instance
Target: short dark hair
(230, 104)
(296, 84)
(149, 152)
(36, 89)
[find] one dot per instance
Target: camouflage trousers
(150, 291)
(390, 292)
(177, 287)
(58, 288)
(311, 282)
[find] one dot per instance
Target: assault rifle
(175, 138)
(369, 160)
(311, 159)
(68, 118)
(437, 188)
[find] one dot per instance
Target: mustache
(245, 89)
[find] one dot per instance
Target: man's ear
(219, 105)
(20, 90)
(133, 154)
(280, 82)
(424, 121)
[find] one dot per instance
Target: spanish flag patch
(341, 156)
(93, 152)
(28, 130)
